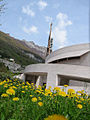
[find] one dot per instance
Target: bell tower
(50, 42)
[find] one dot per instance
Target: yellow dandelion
(1, 83)
(46, 94)
(82, 99)
(23, 91)
(62, 93)
(23, 87)
(14, 87)
(79, 106)
(5, 86)
(10, 91)
(71, 91)
(65, 85)
(31, 95)
(4, 95)
(78, 101)
(40, 104)
(55, 117)
(34, 99)
(39, 98)
(15, 99)
(58, 89)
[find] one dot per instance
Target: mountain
(23, 52)
(41, 50)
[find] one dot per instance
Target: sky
(30, 20)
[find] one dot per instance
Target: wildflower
(62, 93)
(23, 91)
(13, 87)
(49, 87)
(71, 91)
(29, 86)
(37, 91)
(23, 87)
(79, 91)
(65, 85)
(39, 98)
(5, 85)
(10, 91)
(31, 95)
(1, 83)
(55, 117)
(46, 94)
(82, 99)
(15, 99)
(78, 101)
(57, 89)
(34, 99)
(27, 83)
(40, 104)
(4, 95)
(79, 106)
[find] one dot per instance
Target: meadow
(23, 101)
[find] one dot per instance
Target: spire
(50, 40)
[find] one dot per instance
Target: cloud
(42, 4)
(28, 11)
(48, 19)
(60, 30)
(30, 30)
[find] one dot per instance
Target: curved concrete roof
(75, 71)
(67, 52)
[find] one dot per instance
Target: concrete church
(69, 65)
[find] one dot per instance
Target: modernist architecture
(69, 65)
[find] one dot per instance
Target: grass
(22, 101)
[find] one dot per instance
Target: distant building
(11, 60)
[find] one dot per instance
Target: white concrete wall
(85, 59)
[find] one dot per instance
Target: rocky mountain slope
(23, 52)
(41, 50)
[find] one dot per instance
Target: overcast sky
(30, 20)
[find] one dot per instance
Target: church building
(68, 65)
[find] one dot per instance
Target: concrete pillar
(38, 81)
(52, 80)
(22, 77)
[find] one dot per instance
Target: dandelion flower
(65, 85)
(31, 95)
(39, 98)
(10, 91)
(15, 99)
(40, 104)
(34, 99)
(62, 93)
(79, 106)
(4, 95)
(23, 91)
(55, 117)
(71, 91)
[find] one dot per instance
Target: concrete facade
(69, 65)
